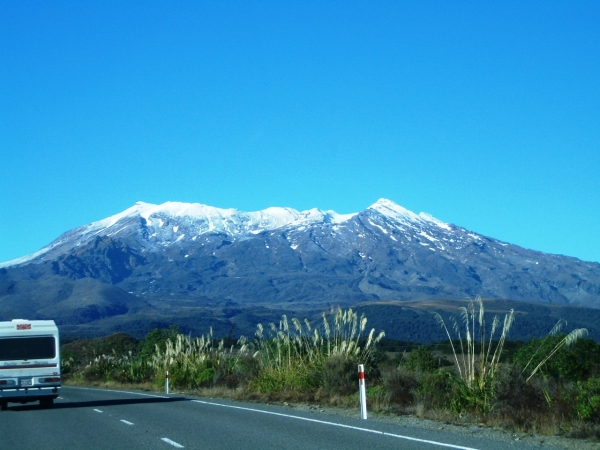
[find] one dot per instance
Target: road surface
(85, 418)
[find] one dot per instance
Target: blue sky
(483, 114)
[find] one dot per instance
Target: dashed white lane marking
(97, 410)
(398, 436)
(173, 443)
(127, 422)
(60, 398)
(120, 392)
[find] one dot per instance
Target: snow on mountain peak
(399, 214)
(269, 218)
(389, 208)
(439, 223)
(187, 220)
(209, 218)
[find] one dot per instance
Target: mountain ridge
(214, 219)
(150, 260)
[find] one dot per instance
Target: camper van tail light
(50, 380)
(3, 382)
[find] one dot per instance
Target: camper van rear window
(21, 348)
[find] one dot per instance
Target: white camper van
(29, 362)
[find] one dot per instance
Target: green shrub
(401, 385)
(438, 390)
(85, 350)
(378, 398)
(157, 337)
(339, 376)
(573, 363)
(515, 392)
(421, 360)
(587, 403)
(295, 378)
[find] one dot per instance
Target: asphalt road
(92, 419)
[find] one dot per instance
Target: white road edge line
(114, 390)
(399, 436)
(173, 443)
(97, 410)
(127, 422)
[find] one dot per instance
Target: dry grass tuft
(303, 357)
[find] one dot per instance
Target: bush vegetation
(549, 385)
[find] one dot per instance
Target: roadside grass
(548, 386)
(82, 382)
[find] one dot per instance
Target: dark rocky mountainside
(156, 263)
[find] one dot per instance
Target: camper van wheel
(46, 402)
(3, 406)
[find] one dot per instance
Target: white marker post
(167, 383)
(362, 391)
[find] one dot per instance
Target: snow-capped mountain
(181, 255)
(173, 222)
(160, 226)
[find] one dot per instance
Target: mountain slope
(166, 258)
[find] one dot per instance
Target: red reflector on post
(362, 393)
